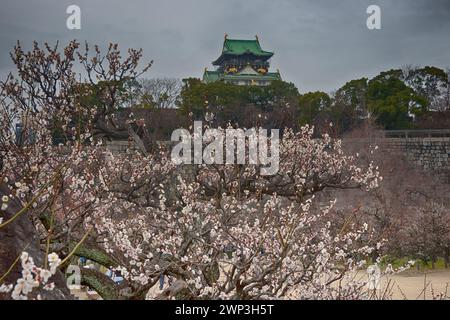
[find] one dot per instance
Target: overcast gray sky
(318, 44)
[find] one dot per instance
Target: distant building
(242, 62)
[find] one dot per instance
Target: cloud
(318, 45)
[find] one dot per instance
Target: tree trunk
(91, 252)
(104, 286)
(446, 257)
(18, 236)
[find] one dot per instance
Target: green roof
(211, 76)
(237, 47)
(268, 76)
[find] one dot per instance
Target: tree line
(406, 98)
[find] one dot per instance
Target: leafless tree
(160, 93)
(409, 209)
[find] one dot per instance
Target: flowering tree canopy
(218, 231)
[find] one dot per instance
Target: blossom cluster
(32, 277)
(224, 231)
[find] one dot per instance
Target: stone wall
(428, 153)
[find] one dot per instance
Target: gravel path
(410, 285)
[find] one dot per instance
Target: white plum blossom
(220, 231)
(33, 276)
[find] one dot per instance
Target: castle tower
(242, 62)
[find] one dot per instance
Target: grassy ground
(418, 266)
